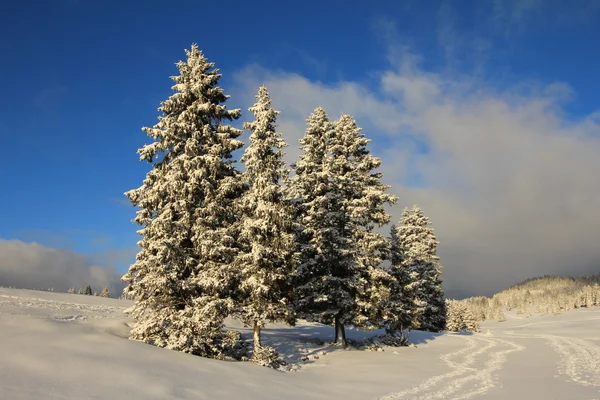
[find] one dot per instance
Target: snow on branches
(182, 279)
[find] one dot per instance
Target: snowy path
(465, 381)
(488, 365)
(579, 358)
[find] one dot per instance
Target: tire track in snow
(462, 373)
(580, 359)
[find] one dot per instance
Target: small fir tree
(399, 311)
(105, 292)
(455, 312)
(469, 319)
(418, 246)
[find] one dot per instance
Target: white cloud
(509, 181)
(34, 266)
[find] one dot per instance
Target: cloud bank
(509, 180)
(34, 266)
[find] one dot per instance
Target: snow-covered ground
(66, 346)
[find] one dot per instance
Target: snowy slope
(66, 346)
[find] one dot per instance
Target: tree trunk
(340, 332)
(256, 336)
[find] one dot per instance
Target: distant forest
(543, 295)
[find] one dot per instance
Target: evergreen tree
(469, 319)
(308, 189)
(183, 279)
(342, 201)
(71, 290)
(363, 202)
(455, 312)
(399, 311)
(418, 250)
(266, 261)
(105, 292)
(87, 290)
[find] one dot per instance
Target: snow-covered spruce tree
(501, 317)
(364, 203)
(418, 246)
(469, 318)
(455, 313)
(105, 292)
(400, 308)
(341, 201)
(307, 188)
(183, 280)
(87, 290)
(266, 261)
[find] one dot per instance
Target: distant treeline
(543, 295)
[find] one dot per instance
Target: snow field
(64, 346)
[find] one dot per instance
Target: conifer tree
(342, 201)
(455, 314)
(266, 260)
(308, 189)
(399, 311)
(183, 280)
(469, 319)
(87, 290)
(105, 292)
(364, 199)
(418, 249)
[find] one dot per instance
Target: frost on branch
(266, 259)
(418, 262)
(182, 279)
(460, 317)
(398, 309)
(341, 201)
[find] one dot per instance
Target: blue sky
(80, 78)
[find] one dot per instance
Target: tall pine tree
(418, 247)
(399, 309)
(364, 204)
(266, 261)
(343, 201)
(308, 188)
(182, 280)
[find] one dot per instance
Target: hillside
(66, 346)
(541, 296)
